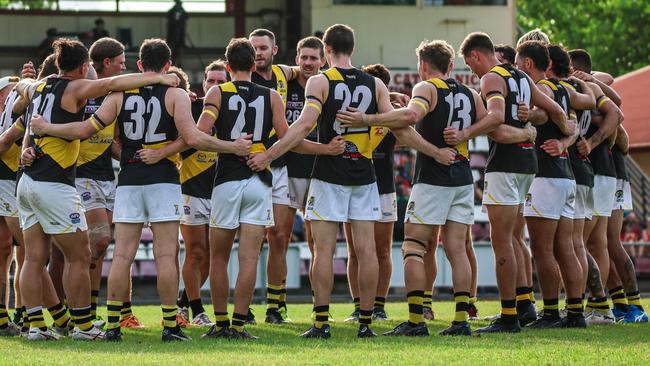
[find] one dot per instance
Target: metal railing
(640, 189)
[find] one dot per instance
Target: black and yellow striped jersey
(198, 167)
(455, 108)
(279, 83)
(347, 88)
(144, 122)
(553, 166)
(298, 165)
(245, 109)
(56, 158)
(95, 158)
(580, 164)
(518, 157)
(10, 159)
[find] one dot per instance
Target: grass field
(597, 345)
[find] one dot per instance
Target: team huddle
(267, 140)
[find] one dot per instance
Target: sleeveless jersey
(619, 163)
(145, 123)
(198, 167)
(245, 109)
(553, 166)
(354, 88)
(56, 158)
(298, 165)
(10, 159)
(519, 157)
(580, 164)
(455, 108)
(383, 159)
(95, 157)
(601, 155)
(278, 82)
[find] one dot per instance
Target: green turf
(597, 345)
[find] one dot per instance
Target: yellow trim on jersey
(281, 82)
(41, 87)
(333, 74)
(11, 157)
(317, 106)
(567, 85)
(496, 97)
(602, 101)
(173, 158)
(377, 135)
(421, 104)
(19, 125)
(501, 71)
(548, 83)
(211, 113)
(132, 91)
(64, 153)
(93, 147)
(257, 147)
(228, 87)
(438, 83)
(197, 163)
(463, 149)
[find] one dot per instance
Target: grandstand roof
(632, 88)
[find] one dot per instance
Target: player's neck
(266, 74)
(551, 75)
(435, 75)
(302, 79)
(240, 76)
(341, 61)
(536, 75)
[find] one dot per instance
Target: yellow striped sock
(462, 305)
(60, 315)
(427, 301)
(169, 315)
(415, 300)
(82, 318)
(4, 316)
(114, 310)
(221, 320)
(94, 295)
(273, 293)
(322, 315)
(36, 319)
(634, 298)
(238, 321)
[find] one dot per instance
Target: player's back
(347, 88)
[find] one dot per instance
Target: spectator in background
(45, 48)
(478, 189)
(176, 25)
(633, 232)
(99, 31)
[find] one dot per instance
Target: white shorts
(298, 189)
(551, 198)
(604, 195)
(435, 205)
(238, 202)
(196, 211)
(8, 204)
(96, 193)
(388, 205)
(584, 206)
(55, 206)
(159, 202)
(506, 188)
(281, 186)
(337, 203)
(623, 196)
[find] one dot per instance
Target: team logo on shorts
(529, 199)
(310, 203)
(186, 209)
(411, 207)
(268, 215)
(85, 196)
(75, 218)
(619, 195)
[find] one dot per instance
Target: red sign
(403, 81)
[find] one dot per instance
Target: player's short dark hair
(48, 67)
(104, 48)
(182, 75)
(311, 42)
(379, 71)
(476, 41)
(240, 54)
(262, 32)
(561, 61)
(69, 54)
(216, 65)
(341, 38)
(437, 54)
(580, 60)
(537, 52)
(507, 51)
(154, 54)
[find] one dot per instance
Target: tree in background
(27, 4)
(615, 32)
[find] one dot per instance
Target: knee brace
(414, 249)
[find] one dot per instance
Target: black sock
(183, 301)
(523, 298)
(197, 307)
